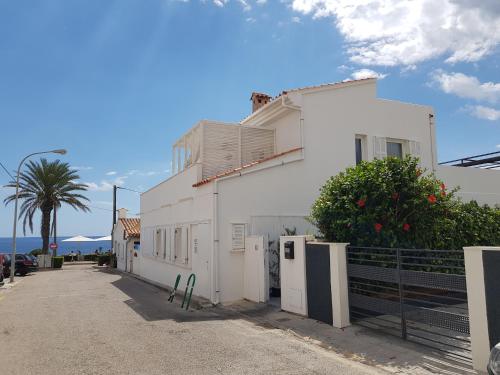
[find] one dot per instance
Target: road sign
(53, 246)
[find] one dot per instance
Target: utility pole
(55, 230)
(113, 226)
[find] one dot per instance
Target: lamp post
(14, 230)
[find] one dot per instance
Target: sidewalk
(382, 351)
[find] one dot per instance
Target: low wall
(482, 185)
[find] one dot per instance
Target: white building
(236, 187)
(126, 242)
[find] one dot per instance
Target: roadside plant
(46, 186)
(389, 202)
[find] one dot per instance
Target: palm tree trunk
(46, 229)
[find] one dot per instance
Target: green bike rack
(172, 295)
(188, 301)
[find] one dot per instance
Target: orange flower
(432, 198)
(361, 203)
(443, 193)
(378, 227)
(443, 187)
(419, 172)
(406, 227)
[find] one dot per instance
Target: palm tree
(46, 185)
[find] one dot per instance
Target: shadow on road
(152, 304)
(367, 346)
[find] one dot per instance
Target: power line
(7, 171)
(123, 188)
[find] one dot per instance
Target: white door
(254, 273)
(200, 250)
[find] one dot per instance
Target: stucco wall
(482, 185)
(176, 204)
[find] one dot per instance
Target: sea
(26, 244)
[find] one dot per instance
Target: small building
(126, 242)
(236, 187)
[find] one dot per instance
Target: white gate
(255, 285)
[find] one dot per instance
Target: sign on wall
(238, 236)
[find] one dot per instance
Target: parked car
(34, 259)
(494, 362)
(23, 265)
(1, 269)
(25, 262)
(5, 263)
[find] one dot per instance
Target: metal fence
(417, 294)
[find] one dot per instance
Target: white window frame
(402, 142)
(364, 148)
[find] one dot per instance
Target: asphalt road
(81, 320)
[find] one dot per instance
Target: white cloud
(111, 173)
(220, 3)
(498, 146)
(396, 32)
(245, 5)
(132, 172)
(484, 113)
(106, 185)
(466, 86)
(367, 73)
(80, 168)
(296, 20)
(261, 2)
(250, 19)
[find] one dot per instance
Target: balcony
(220, 147)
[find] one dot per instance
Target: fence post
(339, 285)
(483, 298)
(401, 296)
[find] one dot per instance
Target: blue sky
(116, 82)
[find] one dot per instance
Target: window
(395, 149)
(360, 148)
(166, 247)
(158, 241)
(177, 244)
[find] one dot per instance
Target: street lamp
(13, 260)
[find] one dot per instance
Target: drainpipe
(433, 142)
(215, 233)
(215, 248)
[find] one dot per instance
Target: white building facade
(237, 187)
(126, 243)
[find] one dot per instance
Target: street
(84, 320)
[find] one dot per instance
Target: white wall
(124, 250)
(482, 185)
(332, 118)
(287, 189)
(119, 246)
(176, 204)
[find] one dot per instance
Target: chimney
(258, 100)
(122, 213)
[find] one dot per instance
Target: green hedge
(90, 257)
(57, 262)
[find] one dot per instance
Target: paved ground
(81, 320)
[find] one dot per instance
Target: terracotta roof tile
(236, 170)
(132, 226)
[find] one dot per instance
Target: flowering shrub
(392, 203)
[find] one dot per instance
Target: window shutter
(415, 149)
(379, 147)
